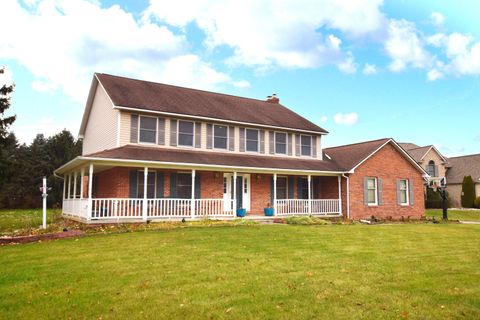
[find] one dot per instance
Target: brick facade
(389, 165)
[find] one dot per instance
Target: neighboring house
(430, 159)
(156, 151)
(459, 168)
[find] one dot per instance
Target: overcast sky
(362, 69)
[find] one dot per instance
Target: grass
(467, 215)
(421, 271)
(12, 220)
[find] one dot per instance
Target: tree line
(23, 166)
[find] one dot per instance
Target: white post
(64, 187)
(90, 185)
(44, 195)
(145, 181)
(275, 194)
(309, 194)
(234, 194)
(82, 174)
(192, 204)
(69, 185)
(74, 184)
(339, 195)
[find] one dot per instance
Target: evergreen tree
(468, 192)
(5, 122)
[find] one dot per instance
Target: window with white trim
(220, 137)
(280, 143)
(403, 190)
(431, 168)
(306, 145)
(372, 193)
(147, 129)
(151, 184)
(251, 140)
(185, 133)
(282, 188)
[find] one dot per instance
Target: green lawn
(17, 219)
(467, 215)
(415, 271)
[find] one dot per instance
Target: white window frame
(375, 179)
(258, 140)
(407, 192)
(213, 137)
(140, 129)
(275, 142)
(311, 145)
(178, 134)
(140, 177)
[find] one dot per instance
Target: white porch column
(64, 187)
(309, 194)
(69, 185)
(144, 205)
(234, 194)
(82, 174)
(192, 204)
(275, 194)
(90, 184)
(339, 195)
(75, 185)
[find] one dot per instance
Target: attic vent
(273, 98)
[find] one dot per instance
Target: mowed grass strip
(262, 272)
(16, 219)
(465, 215)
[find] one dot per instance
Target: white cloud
(27, 131)
(347, 119)
(405, 47)
(241, 84)
(348, 65)
(369, 69)
(437, 19)
(323, 119)
(62, 42)
(274, 33)
(434, 74)
(6, 76)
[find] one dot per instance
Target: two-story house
(156, 151)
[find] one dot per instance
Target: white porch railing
(113, 208)
(300, 207)
(76, 207)
(214, 208)
(169, 208)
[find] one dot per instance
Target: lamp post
(443, 194)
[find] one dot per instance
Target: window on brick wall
(372, 191)
(151, 184)
(403, 191)
(184, 185)
(282, 188)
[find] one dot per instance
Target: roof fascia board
(217, 119)
(436, 150)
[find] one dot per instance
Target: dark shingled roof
(151, 96)
(408, 145)
(138, 153)
(348, 156)
(418, 153)
(463, 166)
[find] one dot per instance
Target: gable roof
(462, 166)
(418, 153)
(408, 145)
(350, 156)
(139, 95)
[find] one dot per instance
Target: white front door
(243, 190)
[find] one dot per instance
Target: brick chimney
(273, 98)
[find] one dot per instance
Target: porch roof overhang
(170, 158)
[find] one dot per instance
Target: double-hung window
(306, 145)
(151, 184)
(148, 129)
(403, 191)
(251, 140)
(185, 133)
(372, 194)
(282, 188)
(184, 185)
(220, 137)
(280, 143)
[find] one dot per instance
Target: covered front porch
(106, 192)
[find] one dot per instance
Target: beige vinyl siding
(101, 130)
(203, 136)
(319, 147)
(167, 131)
(433, 155)
(125, 122)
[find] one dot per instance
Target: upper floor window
(220, 137)
(282, 188)
(306, 145)
(280, 143)
(251, 141)
(148, 129)
(372, 191)
(151, 184)
(185, 133)
(403, 191)
(431, 168)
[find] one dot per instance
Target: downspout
(348, 195)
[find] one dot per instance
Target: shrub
(468, 192)
(306, 220)
(433, 200)
(477, 202)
